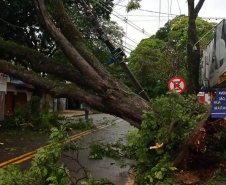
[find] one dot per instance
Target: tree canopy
(50, 45)
(163, 56)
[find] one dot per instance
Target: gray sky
(149, 22)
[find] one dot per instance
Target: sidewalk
(73, 113)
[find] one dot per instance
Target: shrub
(155, 166)
(46, 167)
(33, 116)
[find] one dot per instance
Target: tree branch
(105, 104)
(75, 58)
(56, 88)
(170, 130)
(198, 7)
(41, 63)
(72, 34)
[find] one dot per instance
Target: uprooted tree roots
(197, 160)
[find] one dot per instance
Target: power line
(179, 6)
(159, 11)
(171, 3)
(118, 53)
(194, 47)
(128, 22)
(136, 20)
(132, 25)
(131, 46)
(126, 47)
(168, 9)
(150, 11)
(156, 16)
(132, 40)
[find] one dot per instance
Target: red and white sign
(177, 85)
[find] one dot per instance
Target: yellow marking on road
(87, 132)
(34, 153)
(78, 136)
(24, 159)
(16, 158)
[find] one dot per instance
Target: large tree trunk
(196, 153)
(90, 82)
(193, 48)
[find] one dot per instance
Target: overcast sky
(147, 21)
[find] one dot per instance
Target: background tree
(147, 62)
(163, 56)
(193, 47)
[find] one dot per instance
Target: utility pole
(116, 52)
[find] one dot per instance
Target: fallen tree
(91, 83)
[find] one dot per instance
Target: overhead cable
(116, 52)
(148, 10)
(123, 18)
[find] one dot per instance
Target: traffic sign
(220, 95)
(177, 85)
(218, 109)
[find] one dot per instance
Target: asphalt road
(101, 168)
(106, 167)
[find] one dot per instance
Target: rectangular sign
(221, 95)
(3, 82)
(15, 81)
(218, 109)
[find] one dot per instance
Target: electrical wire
(119, 16)
(132, 40)
(171, 3)
(126, 24)
(159, 11)
(149, 11)
(168, 9)
(179, 6)
(131, 46)
(139, 29)
(136, 20)
(203, 37)
(156, 16)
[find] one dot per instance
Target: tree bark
(193, 48)
(127, 106)
(73, 35)
(74, 57)
(90, 83)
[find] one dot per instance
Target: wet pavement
(103, 168)
(106, 167)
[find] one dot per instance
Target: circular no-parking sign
(177, 85)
